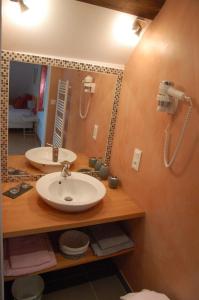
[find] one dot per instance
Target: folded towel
(32, 263)
(145, 295)
(34, 246)
(100, 252)
(109, 235)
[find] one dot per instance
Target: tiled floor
(95, 281)
(107, 288)
(18, 143)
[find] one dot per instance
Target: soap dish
(13, 171)
(18, 190)
(85, 171)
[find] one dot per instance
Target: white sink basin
(41, 158)
(74, 193)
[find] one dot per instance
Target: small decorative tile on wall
(8, 56)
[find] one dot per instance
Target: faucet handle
(50, 145)
(65, 163)
(66, 166)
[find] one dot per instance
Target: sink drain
(68, 198)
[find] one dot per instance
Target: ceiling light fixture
(22, 5)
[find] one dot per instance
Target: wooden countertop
(29, 214)
(21, 163)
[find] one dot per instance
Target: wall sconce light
(22, 5)
(138, 26)
(28, 13)
(128, 29)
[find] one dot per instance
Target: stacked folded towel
(145, 295)
(25, 255)
(108, 239)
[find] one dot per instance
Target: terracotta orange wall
(166, 257)
(78, 132)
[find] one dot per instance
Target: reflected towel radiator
(62, 99)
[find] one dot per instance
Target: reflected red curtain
(42, 87)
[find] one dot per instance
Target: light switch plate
(136, 159)
(95, 131)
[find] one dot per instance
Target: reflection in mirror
(68, 108)
(24, 84)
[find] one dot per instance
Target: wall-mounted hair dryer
(89, 84)
(168, 98)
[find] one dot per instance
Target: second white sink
(75, 193)
(41, 158)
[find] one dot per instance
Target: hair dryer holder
(168, 97)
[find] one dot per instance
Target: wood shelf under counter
(63, 263)
(29, 214)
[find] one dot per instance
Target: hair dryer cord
(168, 162)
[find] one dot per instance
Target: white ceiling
(68, 29)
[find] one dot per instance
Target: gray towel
(109, 235)
(108, 239)
(99, 252)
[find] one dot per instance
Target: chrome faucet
(55, 152)
(65, 171)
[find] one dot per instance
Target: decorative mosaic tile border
(8, 56)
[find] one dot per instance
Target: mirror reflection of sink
(75, 193)
(41, 158)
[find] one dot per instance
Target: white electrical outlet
(95, 131)
(136, 159)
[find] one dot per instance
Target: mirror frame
(8, 56)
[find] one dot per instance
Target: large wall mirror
(32, 87)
